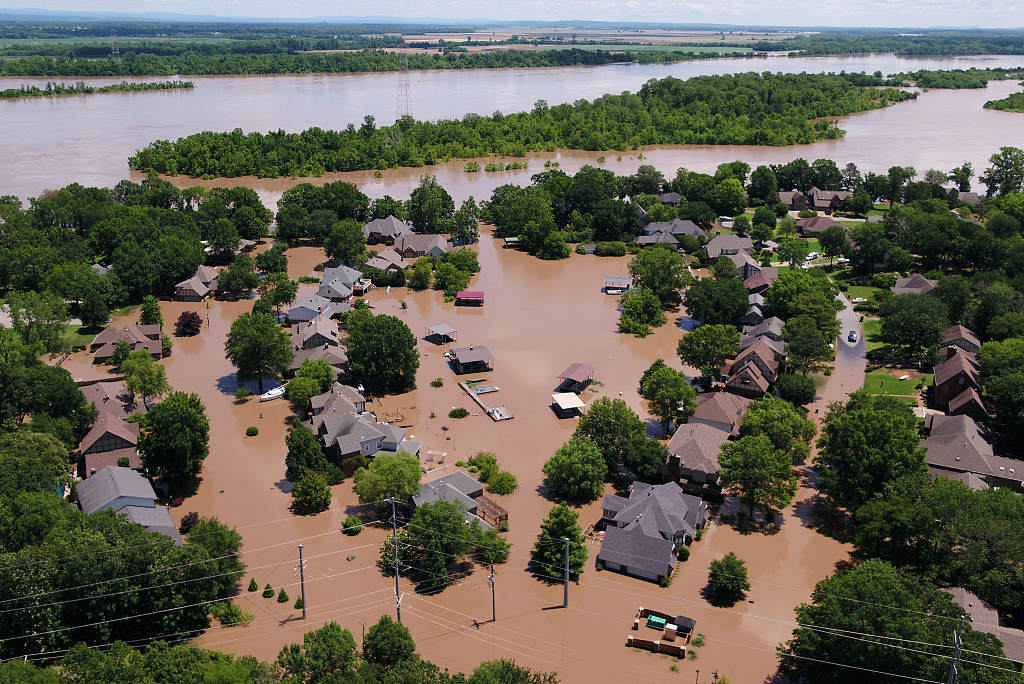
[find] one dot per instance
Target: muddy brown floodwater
(538, 318)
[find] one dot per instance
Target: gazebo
(576, 377)
(567, 404)
(442, 333)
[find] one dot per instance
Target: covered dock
(614, 285)
(511, 242)
(567, 404)
(442, 333)
(576, 377)
(469, 298)
(471, 359)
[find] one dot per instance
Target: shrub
(727, 579)
(472, 167)
(123, 462)
(352, 525)
(610, 249)
(458, 413)
(252, 431)
(308, 280)
(486, 463)
(268, 591)
(282, 596)
(188, 521)
(439, 382)
(242, 394)
(166, 344)
(683, 553)
(298, 603)
(581, 248)
(189, 323)
(228, 614)
(502, 482)
(312, 494)
(253, 587)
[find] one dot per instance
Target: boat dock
(498, 413)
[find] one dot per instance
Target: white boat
(275, 393)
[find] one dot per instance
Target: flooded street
(539, 317)
(50, 142)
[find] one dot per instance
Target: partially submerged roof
(577, 372)
(442, 329)
(470, 294)
(568, 401)
(473, 354)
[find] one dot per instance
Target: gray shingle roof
(634, 549)
(106, 487)
(156, 519)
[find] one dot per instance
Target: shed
(567, 404)
(469, 298)
(576, 377)
(441, 333)
(472, 359)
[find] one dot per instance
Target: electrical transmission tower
(404, 98)
(115, 55)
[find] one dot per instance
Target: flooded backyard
(539, 317)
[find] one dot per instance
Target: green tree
(759, 473)
(439, 532)
(717, 301)
(382, 355)
(38, 319)
(807, 347)
(388, 476)
(1006, 175)
(223, 545)
(257, 347)
(833, 241)
(239, 278)
(641, 310)
(507, 672)
(662, 271)
(961, 176)
(278, 289)
(326, 655)
(793, 250)
(149, 313)
(764, 186)
(320, 371)
(312, 494)
(175, 436)
(576, 472)
(887, 607)
(761, 233)
(865, 444)
(300, 391)
(431, 208)
(669, 395)
(388, 644)
(273, 260)
(304, 453)
(912, 323)
(786, 297)
(94, 311)
(727, 579)
(422, 273)
(786, 427)
(144, 377)
(646, 458)
(549, 549)
(31, 463)
(224, 238)
(708, 347)
(612, 425)
(859, 203)
(345, 241)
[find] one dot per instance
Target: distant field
(618, 47)
(121, 40)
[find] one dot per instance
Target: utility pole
(115, 54)
(494, 613)
(957, 643)
(565, 577)
(302, 581)
(394, 537)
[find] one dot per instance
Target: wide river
(50, 142)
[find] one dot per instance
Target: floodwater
(50, 142)
(539, 317)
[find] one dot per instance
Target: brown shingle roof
(722, 407)
(697, 446)
(914, 284)
(952, 366)
(108, 422)
(762, 351)
(967, 396)
(746, 376)
(958, 332)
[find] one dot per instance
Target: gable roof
(115, 425)
(777, 346)
(721, 407)
(764, 277)
(110, 484)
(421, 243)
(132, 333)
(154, 519)
(761, 350)
(773, 325)
(966, 397)
(954, 365)
(659, 237)
(985, 618)
(914, 284)
(343, 274)
(631, 548)
(956, 443)
(816, 224)
(390, 227)
(958, 332)
(112, 398)
(387, 258)
(728, 242)
(315, 305)
(349, 431)
(675, 227)
(748, 371)
(662, 511)
(697, 446)
(321, 325)
(473, 354)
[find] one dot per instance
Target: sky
(879, 13)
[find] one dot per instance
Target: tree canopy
(549, 549)
(175, 436)
(388, 475)
(382, 354)
(611, 425)
(576, 472)
(758, 472)
(258, 347)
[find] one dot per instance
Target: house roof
(728, 242)
(954, 365)
(662, 510)
(321, 325)
(206, 274)
(755, 300)
(422, 243)
(348, 276)
(697, 446)
(115, 425)
(348, 396)
(113, 398)
(385, 259)
(335, 356)
(969, 197)
(349, 431)
(816, 224)
(985, 618)
(956, 443)
(748, 374)
(455, 487)
(315, 305)
(966, 397)
(334, 289)
(661, 237)
(577, 372)
(634, 549)
(154, 519)
(132, 333)
(973, 481)
(761, 350)
(914, 284)
(787, 196)
(776, 346)
(765, 276)
(442, 329)
(193, 284)
(742, 259)
(772, 325)
(670, 198)
(959, 332)
(103, 489)
(389, 226)
(675, 227)
(473, 354)
(721, 407)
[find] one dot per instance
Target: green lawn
(871, 334)
(881, 382)
(863, 291)
(79, 335)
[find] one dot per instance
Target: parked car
(858, 300)
(812, 256)
(852, 337)
(842, 260)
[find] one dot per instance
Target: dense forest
(81, 89)
(1013, 103)
(930, 43)
(744, 109)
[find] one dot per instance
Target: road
(851, 360)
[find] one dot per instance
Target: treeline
(1013, 103)
(329, 654)
(151, 234)
(81, 89)
(944, 43)
(742, 109)
(956, 79)
(137, 61)
(177, 48)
